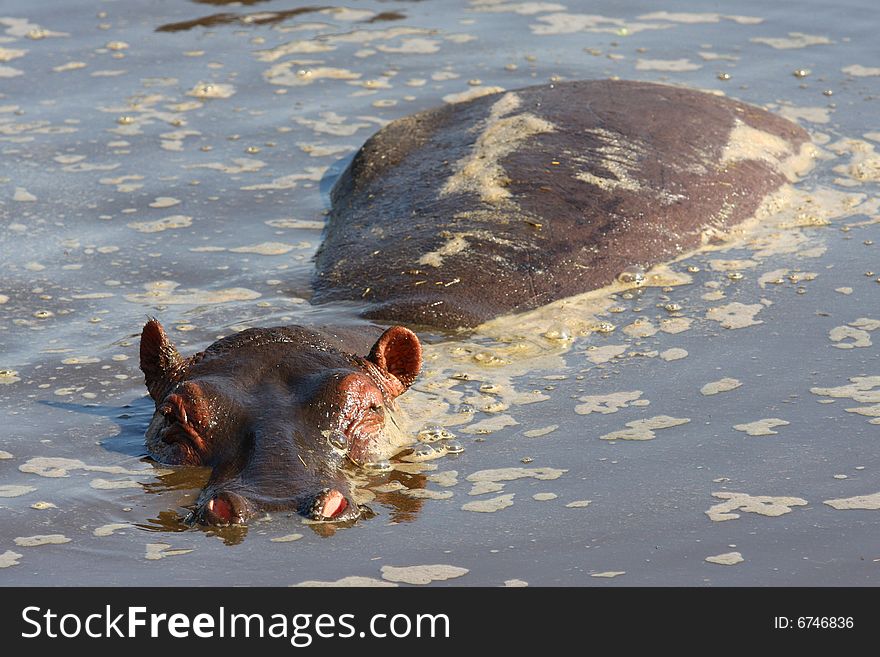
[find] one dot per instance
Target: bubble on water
(485, 358)
(43, 314)
(453, 447)
(338, 440)
(376, 467)
(801, 72)
(9, 376)
(735, 276)
(204, 89)
(632, 276)
(561, 334)
(603, 327)
(724, 76)
(125, 120)
(433, 433)
(672, 307)
(426, 452)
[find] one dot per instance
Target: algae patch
(645, 429)
(157, 551)
(762, 427)
(491, 505)
(351, 581)
(9, 558)
(610, 403)
(735, 315)
(726, 559)
(867, 502)
(422, 574)
(41, 539)
(764, 505)
(11, 490)
(722, 385)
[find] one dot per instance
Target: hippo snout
(226, 507)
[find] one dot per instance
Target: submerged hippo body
(278, 413)
(456, 215)
(449, 218)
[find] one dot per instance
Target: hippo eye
(376, 408)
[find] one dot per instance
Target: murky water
(173, 159)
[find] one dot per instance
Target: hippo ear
(160, 361)
(398, 352)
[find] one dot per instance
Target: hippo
(278, 413)
(456, 215)
(446, 219)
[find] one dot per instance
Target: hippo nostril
(334, 504)
(331, 504)
(220, 508)
(224, 509)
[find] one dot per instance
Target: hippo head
(279, 414)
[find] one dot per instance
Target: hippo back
(456, 215)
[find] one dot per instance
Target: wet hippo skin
(279, 414)
(456, 215)
(448, 218)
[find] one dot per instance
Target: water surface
(173, 160)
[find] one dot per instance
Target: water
(173, 160)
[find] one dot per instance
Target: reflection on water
(260, 18)
(166, 521)
(178, 478)
(221, 3)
